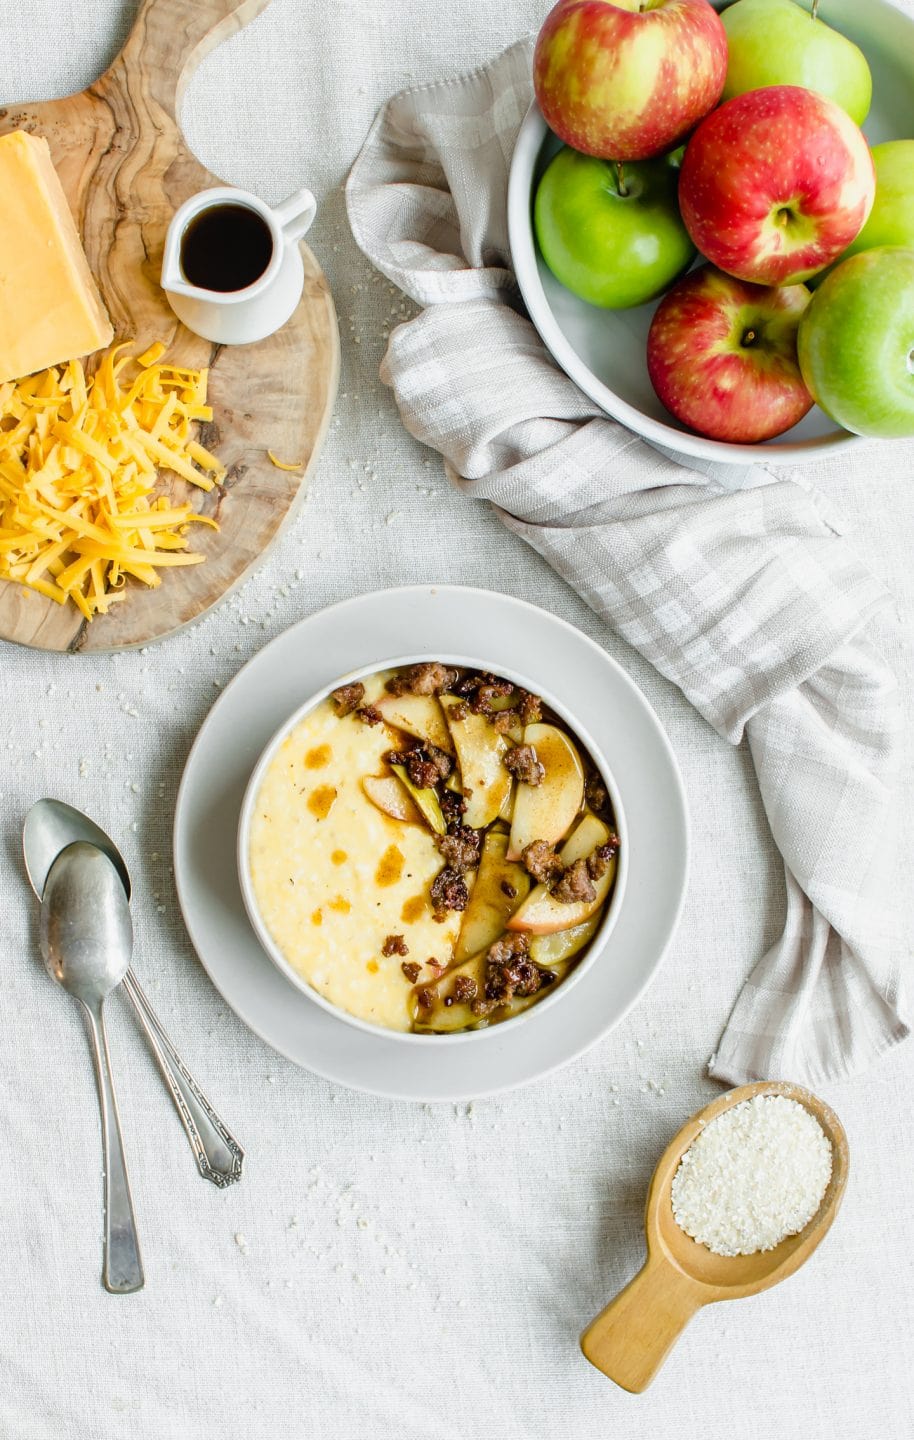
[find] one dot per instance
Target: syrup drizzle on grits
(334, 877)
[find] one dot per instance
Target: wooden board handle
(632, 1337)
(168, 40)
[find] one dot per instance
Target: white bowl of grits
(433, 847)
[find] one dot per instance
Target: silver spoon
(49, 827)
(86, 939)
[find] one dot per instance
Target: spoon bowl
(631, 1338)
(85, 931)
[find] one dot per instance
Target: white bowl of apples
(709, 296)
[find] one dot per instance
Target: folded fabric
(729, 580)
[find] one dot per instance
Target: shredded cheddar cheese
(79, 461)
(285, 464)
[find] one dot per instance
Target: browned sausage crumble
(540, 860)
(465, 989)
(508, 889)
(575, 886)
(449, 892)
(510, 971)
(425, 764)
(524, 764)
(411, 970)
(347, 698)
(453, 808)
(395, 945)
(427, 678)
(461, 848)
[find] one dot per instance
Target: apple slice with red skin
(722, 356)
(541, 913)
(547, 811)
(491, 905)
(392, 798)
(480, 751)
(417, 715)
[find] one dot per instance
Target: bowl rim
(668, 436)
(264, 938)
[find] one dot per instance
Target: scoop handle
(632, 1337)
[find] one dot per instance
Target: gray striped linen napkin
(730, 581)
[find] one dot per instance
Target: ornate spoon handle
(219, 1156)
(122, 1268)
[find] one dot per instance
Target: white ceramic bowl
(604, 351)
(597, 944)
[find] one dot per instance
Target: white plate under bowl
(484, 1034)
(605, 351)
(347, 637)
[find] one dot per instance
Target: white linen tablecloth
(401, 1271)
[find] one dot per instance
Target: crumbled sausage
(411, 970)
(426, 998)
(540, 860)
(426, 765)
(427, 678)
(458, 712)
(347, 697)
(453, 808)
(490, 688)
(530, 708)
(508, 889)
(482, 1007)
(369, 714)
(575, 885)
(598, 862)
(510, 971)
(465, 989)
(595, 794)
(524, 765)
(395, 945)
(504, 721)
(461, 847)
(449, 891)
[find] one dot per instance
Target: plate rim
(396, 1091)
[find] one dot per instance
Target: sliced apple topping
(543, 913)
(548, 810)
(392, 798)
(480, 751)
(417, 715)
(425, 798)
(558, 947)
(500, 888)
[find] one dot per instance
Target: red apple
(776, 184)
(628, 79)
(722, 356)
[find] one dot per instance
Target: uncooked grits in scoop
(755, 1174)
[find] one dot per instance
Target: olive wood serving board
(126, 168)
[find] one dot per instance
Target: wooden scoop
(632, 1337)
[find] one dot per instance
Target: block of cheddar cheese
(50, 308)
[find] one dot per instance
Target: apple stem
(815, 9)
(750, 337)
(620, 178)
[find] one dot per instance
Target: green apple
(856, 343)
(778, 42)
(612, 235)
(891, 219)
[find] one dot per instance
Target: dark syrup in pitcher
(226, 247)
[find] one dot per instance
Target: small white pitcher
(238, 317)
